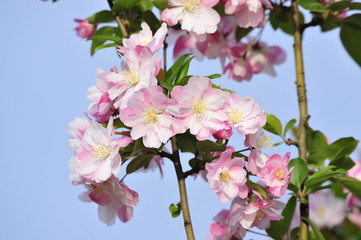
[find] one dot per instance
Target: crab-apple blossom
(147, 113)
(244, 114)
(139, 71)
(195, 16)
(85, 29)
(97, 153)
(102, 106)
(276, 175)
(200, 108)
(145, 38)
(114, 199)
(227, 177)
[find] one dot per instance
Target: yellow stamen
(279, 174)
(199, 108)
(321, 212)
(235, 115)
(225, 176)
(101, 152)
(151, 116)
(130, 77)
(265, 141)
(191, 5)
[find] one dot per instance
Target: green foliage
(312, 5)
(280, 228)
(242, 32)
(172, 74)
(300, 171)
(102, 35)
(151, 20)
(187, 142)
(175, 210)
(316, 146)
(160, 4)
(104, 16)
(281, 17)
(273, 125)
(350, 35)
(352, 184)
(316, 231)
(138, 163)
(341, 147)
(350, 230)
(209, 146)
(314, 182)
(288, 126)
(258, 188)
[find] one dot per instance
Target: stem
(118, 20)
(182, 190)
(302, 103)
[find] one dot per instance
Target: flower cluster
(239, 59)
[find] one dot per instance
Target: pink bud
(85, 29)
(225, 133)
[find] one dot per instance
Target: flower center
(279, 174)
(191, 5)
(265, 141)
(130, 77)
(144, 43)
(235, 115)
(151, 116)
(100, 152)
(321, 212)
(199, 108)
(225, 176)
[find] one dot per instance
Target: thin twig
(118, 20)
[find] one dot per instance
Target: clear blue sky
(45, 73)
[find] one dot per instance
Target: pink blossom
(276, 175)
(97, 154)
(245, 114)
(227, 177)
(114, 199)
(238, 66)
(147, 114)
(255, 212)
(139, 71)
(222, 229)
(257, 159)
(249, 13)
(195, 16)
(225, 133)
(326, 210)
(200, 108)
(145, 38)
(355, 217)
(102, 107)
(185, 43)
(85, 29)
(262, 58)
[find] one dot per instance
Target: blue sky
(46, 71)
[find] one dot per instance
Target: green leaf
(344, 162)
(160, 4)
(350, 36)
(146, 5)
(279, 228)
(352, 184)
(341, 147)
(324, 174)
(258, 188)
(281, 17)
(312, 5)
(315, 229)
(102, 17)
(107, 30)
(175, 210)
(105, 37)
(300, 171)
(350, 230)
(138, 147)
(152, 21)
(127, 3)
(183, 72)
(187, 142)
(209, 146)
(172, 73)
(213, 76)
(138, 163)
(119, 124)
(273, 125)
(338, 190)
(315, 141)
(242, 32)
(108, 45)
(289, 125)
(339, 5)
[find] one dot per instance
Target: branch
(182, 190)
(118, 20)
(316, 20)
(302, 104)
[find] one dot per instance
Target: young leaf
(258, 188)
(273, 125)
(352, 184)
(341, 147)
(106, 37)
(102, 17)
(183, 72)
(209, 146)
(300, 171)
(312, 5)
(187, 142)
(175, 210)
(344, 162)
(315, 229)
(289, 125)
(172, 73)
(138, 163)
(350, 36)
